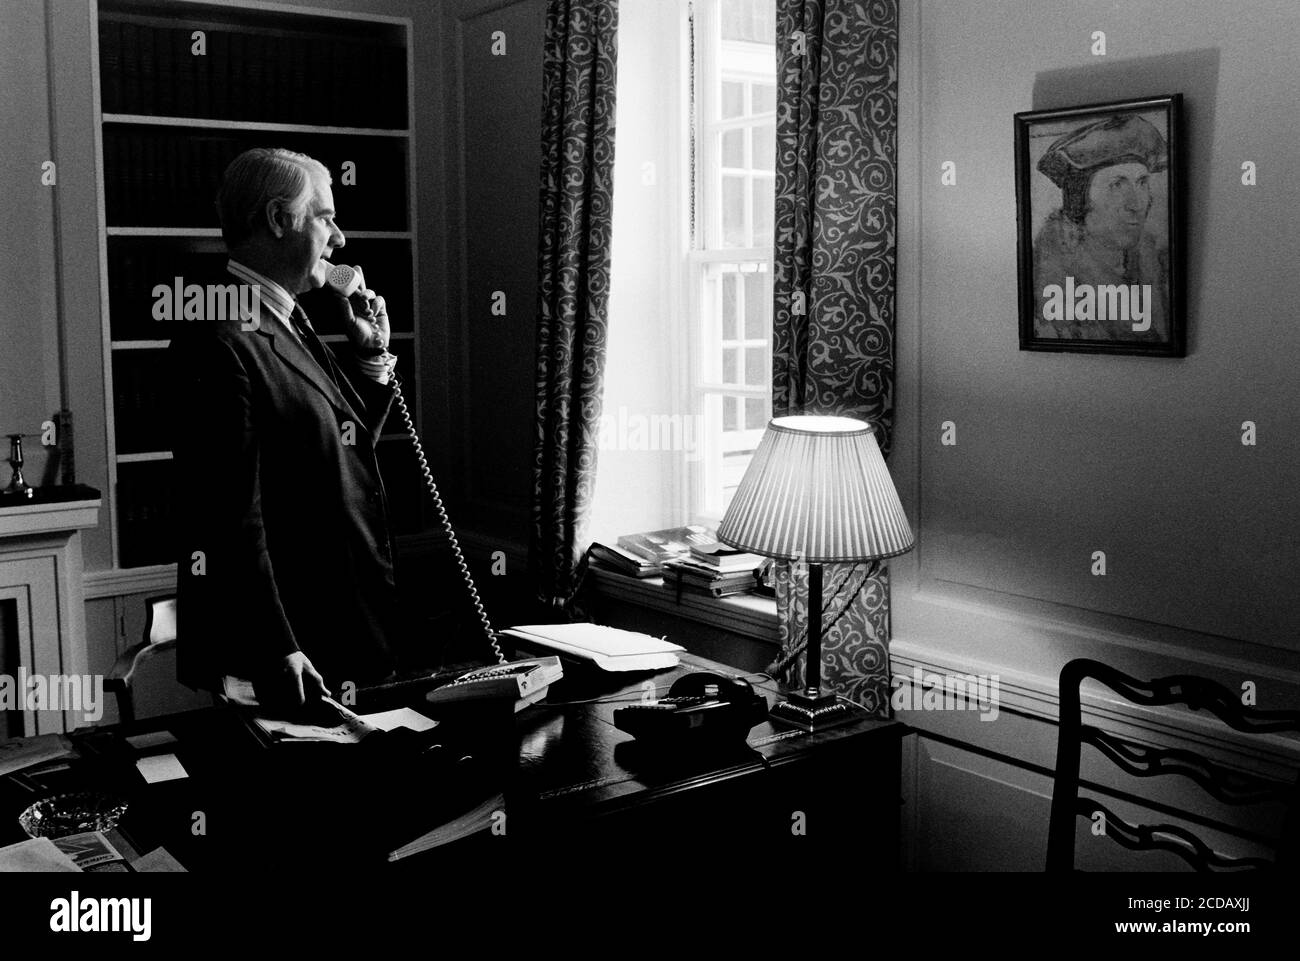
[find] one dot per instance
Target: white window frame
(705, 392)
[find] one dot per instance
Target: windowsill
(747, 614)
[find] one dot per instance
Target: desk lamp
(817, 491)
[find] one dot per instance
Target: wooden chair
(1227, 785)
(144, 677)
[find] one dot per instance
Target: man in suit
(286, 563)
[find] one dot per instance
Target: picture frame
(1100, 228)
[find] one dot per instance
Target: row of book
(142, 401)
(138, 265)
(243, 74)
(165, 177)
(146, 521)
(690, 560)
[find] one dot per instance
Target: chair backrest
(1227, 785)
(154, 689)
(160, 618)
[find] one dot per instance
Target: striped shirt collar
(274, 297)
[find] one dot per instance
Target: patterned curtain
(579, 69)
(833, 337)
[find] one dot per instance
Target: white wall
(30, 378)
(1060, 455)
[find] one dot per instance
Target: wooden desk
(580, 775)
(574, 786)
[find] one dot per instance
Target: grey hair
(258, 177)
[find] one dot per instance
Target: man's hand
(295, 685)
(368, 330)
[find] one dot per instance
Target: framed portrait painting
(1099, 207)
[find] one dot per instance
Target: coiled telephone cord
(444, 520)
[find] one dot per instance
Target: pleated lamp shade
(817, 490)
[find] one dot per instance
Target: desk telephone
(701, 705)
(708, 704)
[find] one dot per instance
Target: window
(730, 256)
(688, 375)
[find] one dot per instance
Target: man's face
(316, 240)
(1119, 199)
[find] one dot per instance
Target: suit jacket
(284, 542)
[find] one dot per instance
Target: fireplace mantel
(41, 580)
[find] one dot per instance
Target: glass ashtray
(75, 813)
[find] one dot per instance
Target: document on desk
(347, 728)
(20, 752)
(401, 717)
(157, 861)
(326, 719)
(331, 721)
(38, 854)
(89, 849)
(161, 767)
(610, 648)
(480, 818)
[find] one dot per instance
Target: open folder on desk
(610, 648)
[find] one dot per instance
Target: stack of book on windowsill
(625, 562)
(643, 555)
(668, 544)
(713, 569)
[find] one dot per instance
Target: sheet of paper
(610, 648)
(89, 849)
(155, 739)
(20, 752)
(38, 854)
(597, 639)
(161, 767)
(239, 691)
(338, 724)
(158, 861)
(346, 732)
(402, 717)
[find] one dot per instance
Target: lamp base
(816, 713)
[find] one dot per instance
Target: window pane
(753, 20)
(730, 365)
(757, 307)
(733, 212)
(755, 413)
(734, 465)
(764, 189)
(764, 95)
(730, 413)
(764, 156)
(733, 148)
(729, 306)
(756, 372)
(733, 98)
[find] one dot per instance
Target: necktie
(313, 343)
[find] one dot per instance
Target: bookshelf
(183, 87)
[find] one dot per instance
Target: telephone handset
(349, 282)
